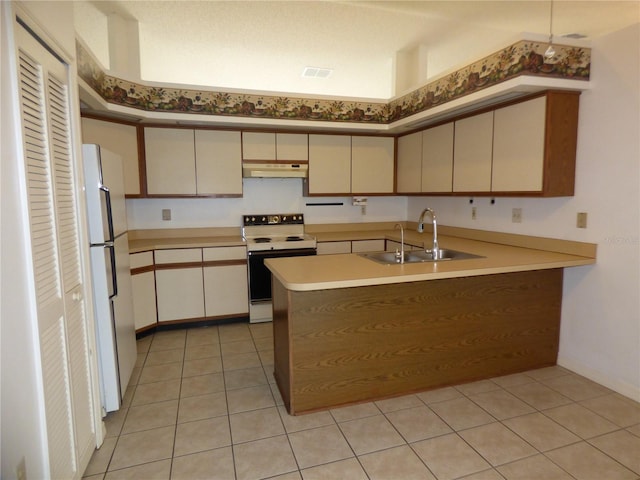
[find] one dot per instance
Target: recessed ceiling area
(265, 45)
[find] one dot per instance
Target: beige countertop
(351, 270)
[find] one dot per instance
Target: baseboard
(623, 388)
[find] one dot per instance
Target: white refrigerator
(110, 271)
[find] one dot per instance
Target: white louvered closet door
(53, 216)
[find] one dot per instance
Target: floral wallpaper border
(522, 58)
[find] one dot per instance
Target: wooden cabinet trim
(223, 263)
(145, 269)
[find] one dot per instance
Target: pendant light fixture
(550, 52)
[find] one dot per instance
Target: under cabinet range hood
(274, 170)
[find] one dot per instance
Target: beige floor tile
(261, 330)
(202, 366)
(201, 407)
(344, 469)
(491, 474)
(275, 391)
(361, 410)
(264, 343)
(584, 461)
(201, 435)
(153, 415)
(234, 333)
(98, 476)
(202, 385)
(533, 468)
(512, 380)
(449, 457)
(249, 377)
(619, 410)
(211, 465)
(370, 434)
(473, 388)
(252, 398)
(295, 423)
(162, 357)
(156, 392)
(114, 420)
(635, 430)
(497, 444)
(128, 395)
(547, 372)
(241, 361)
(539, 396)
(418, 423)
(541, 432)
(501, 404)
(580, 420)
(142, 356)
(575, 387)
(167, 341)
(202, 351)
(439, 395)
(135, 376)
(268, 371)
(160, 373)
(101, 457)
(461, 413)
(621, 445)
(234, 348)
(202, 336)
(253, 462)
(319, 445)
(143, 344)
(255, 424)
(398, 403)
(266, 357)
(288, 476)
(395, 463)
(143, 447)
(149, 471)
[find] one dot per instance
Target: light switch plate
(581, 220)
(516, 215)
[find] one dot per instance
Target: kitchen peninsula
(348, 329)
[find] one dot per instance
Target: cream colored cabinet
(359, 246)
(258, 146)
(119, 138)
(329, 164)
(328, 248)
(409, 165)
(179, 284)
(226, 291)
(170, 161)
(518, 147)
(293, 147)
(143, 286)
(372, 165)
(473, 145)
(437, 159)
(218, 162)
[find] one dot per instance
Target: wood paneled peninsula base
(346, 345)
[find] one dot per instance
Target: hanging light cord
(550, 52)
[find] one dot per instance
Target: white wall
(600, 333)
(261, 195)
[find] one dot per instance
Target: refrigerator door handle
(114, 275)
(107, 197)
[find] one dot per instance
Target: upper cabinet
(119, 138)
(526, 148)
(258, 146)
(372, 165)
(292, 147)
(182, 161)
(267, 146)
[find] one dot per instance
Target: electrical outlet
(581, 220)
(516, 215)
(21, 470)
(473, 213)
(166, 214)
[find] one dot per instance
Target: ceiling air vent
(575, 36)
(316, 72)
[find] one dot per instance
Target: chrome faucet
(435, 251)
(401, 253)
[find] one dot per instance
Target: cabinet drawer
(179, 255)
(142, 259)
(224, 253)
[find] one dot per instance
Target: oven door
(260, 275)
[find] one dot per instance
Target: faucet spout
(401, 253)
(435, 251)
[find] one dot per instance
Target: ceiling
(265, 45)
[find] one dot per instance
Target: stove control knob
(284, 218)
(253, 219)
(264, 219)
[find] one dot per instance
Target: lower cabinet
(143, 288)
(226, 290)
(179, 287)
(348, 246)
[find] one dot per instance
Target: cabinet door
(518, 147)
(437, 158)
(179, 290)
(258, 146)
(218, 162)
(409, 168)
(328, 248)
(358, 246)
(472, 153)
(372, 165)
(121, 139)
(170, 160)
(143, 287)
(292, 147)
(225, 290)
(329, 164)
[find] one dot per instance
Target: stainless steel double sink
(417, 256)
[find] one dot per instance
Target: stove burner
(262, 240)
(294, 238)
